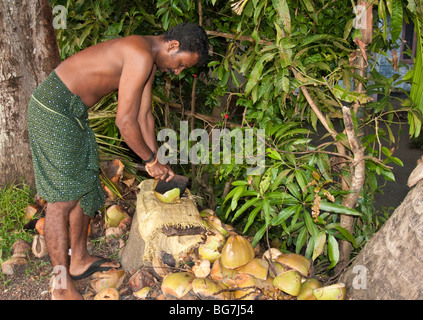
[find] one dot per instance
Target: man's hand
(160, 171)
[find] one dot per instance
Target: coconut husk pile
(226, 267)
(223, 266)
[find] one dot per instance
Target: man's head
(187, 45)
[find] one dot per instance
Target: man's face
(174, 61)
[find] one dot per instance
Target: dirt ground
(32, 282)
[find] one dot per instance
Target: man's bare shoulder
(134, 45)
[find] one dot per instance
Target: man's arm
(145, 116)
(136, 74)
(133, 79)
(147, 125)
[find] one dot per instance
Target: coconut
(248, 285)
(201, 268)
(39, 246)
(207, 289)
(142, 293)
(210, 250)
(140, 279)
(20, 249)
(289, 282)
(276, 269)
(108, 279)
(332, 292)
(220, 273)
(39, 226)
(215, 240)
(107, 294)
(257, 267)
(177, 285)
(215, 223)
(307, 288)
(206, 213)
(170, 196)
(113, 232)
(236, 252)
(271, 254)
(114, 215)
(296, 262)
(31, 211)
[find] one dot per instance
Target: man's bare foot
(65, 289)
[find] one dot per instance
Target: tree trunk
(390, 264)
(29, 52)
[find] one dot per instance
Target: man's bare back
(94, 72)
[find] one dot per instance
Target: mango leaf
(382, 15)
(333, 251)
(244, 207)
(266, 209)
(337, 208)
(396, 19)
(311, 226)
(319, 244)
(284, 214)
(301, 240)
(282, 9)
(237, 195)
(347, 235)
(259, 234)
(252, 216)
(301, 179)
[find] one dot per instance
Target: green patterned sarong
(64, 149)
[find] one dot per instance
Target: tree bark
(390, 264)
(358, 168)
(28, 52)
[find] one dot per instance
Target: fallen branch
(235, 37)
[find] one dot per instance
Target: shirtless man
(63, 146)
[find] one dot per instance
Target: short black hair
(191, 38)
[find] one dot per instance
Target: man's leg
(56, 228)
(80, 258)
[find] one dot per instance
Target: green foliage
(309, 44)
(13, 202)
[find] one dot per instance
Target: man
(63, 146)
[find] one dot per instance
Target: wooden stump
(390, 265)
(158, 228)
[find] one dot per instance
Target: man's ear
(173, 45)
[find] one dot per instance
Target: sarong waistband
(45, 107)
(53, 95)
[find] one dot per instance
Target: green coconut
(332, 292)
(236, 252)
(289, 282)
(170, 196)
(177, 285)
(257, 267)
(114, 215)
(207, 289)
(296, 262)
(307, 288)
